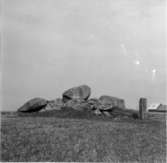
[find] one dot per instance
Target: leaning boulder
(110, 101)
(81, 92)
(33, 105)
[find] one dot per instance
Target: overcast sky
(117, 47)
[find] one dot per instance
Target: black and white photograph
(83, 81)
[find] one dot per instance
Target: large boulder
(56, 104)
(109, 101)
(81, 92)
(33, 105)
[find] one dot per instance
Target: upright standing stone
(142, 107)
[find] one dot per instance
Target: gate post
(142, 107)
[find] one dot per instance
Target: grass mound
(68, 112)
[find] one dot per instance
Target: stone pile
(77, 98)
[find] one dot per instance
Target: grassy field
(58, 136)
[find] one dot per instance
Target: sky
(117, 47)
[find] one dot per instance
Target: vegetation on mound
(67, 112)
